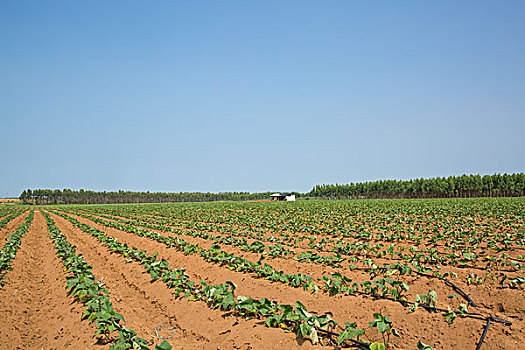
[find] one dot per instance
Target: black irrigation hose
(493, 318)
(432, 308)
(456, 288)
(331, 333)
(500, 320)
(484, 333)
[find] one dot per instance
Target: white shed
(283, 197)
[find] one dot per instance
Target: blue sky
(257, 95)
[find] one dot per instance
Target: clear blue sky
(257, 95)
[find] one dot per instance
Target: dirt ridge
(35, 311)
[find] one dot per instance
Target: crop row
(8, 252)
(221, 296)
(384, 288)
(276, 250)
(232, 262)
(8, 218)
(431, 256)
(414, 234)
(93, 294)
(309, 257)
(419, 221)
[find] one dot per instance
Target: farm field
(9, 200)
(406, 274)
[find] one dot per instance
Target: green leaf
(300, 309)
(382, 327)
(423, 346)
(163, 346)
(304, 329)
(341, 338)
(433, 295)
(450, 316)
(377, 346)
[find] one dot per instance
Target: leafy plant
(383, 324)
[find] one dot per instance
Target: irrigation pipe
(330, 333)
(456, 288)
(484, 333)
(432, 308)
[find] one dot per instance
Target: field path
(35, 311)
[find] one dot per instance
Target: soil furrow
(342, 308)
(511, 302)
(36, 312)
(132, 294)
(145, 305)
(10, 227)
(326, 250)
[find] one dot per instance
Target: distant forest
(68, 196)
(464, 186)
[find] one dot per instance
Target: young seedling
(383, 324)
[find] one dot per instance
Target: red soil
(145, 305)
(430, 328)
(37, 313)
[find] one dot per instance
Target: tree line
(496, 185)
(464, 186)
(67, 196)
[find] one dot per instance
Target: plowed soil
(11, 227)
(145, 305)
(489, 297)
(430, 328)
(36, 311)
